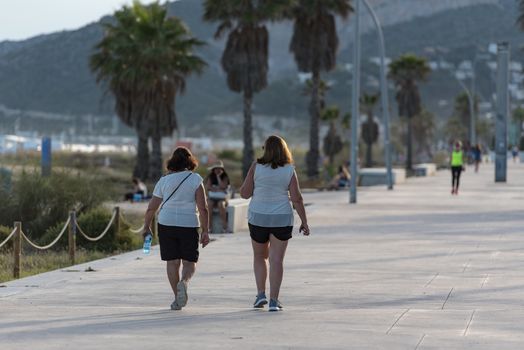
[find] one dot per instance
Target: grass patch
(38, 262)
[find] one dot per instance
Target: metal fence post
(17, 249)
(72, 236)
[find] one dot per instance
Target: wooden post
(17, 249)
(72, 236)
(117, 221)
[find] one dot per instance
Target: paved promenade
(415, 268)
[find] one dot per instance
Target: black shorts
(178, 243)
(261, 234)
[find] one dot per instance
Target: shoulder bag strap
(172, 193)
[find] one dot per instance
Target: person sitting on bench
(217, 185)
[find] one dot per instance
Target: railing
(72, 227)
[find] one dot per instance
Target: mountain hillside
(50, 73)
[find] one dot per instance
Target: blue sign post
(46, 156)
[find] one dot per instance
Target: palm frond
(520, 19)
(144, 59)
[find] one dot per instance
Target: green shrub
(93, 223)
(5, 179)
(42, 202)
(230, 154)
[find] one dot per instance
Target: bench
(236, 216)
(425, 169)
(378, 176)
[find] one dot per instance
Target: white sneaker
(182, 297)
(175, 306)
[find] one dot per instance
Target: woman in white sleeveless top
(270, 183)
(181, 197)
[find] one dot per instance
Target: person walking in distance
(180, 197)
(270, 183)
(515, 153)
(477, 156)
(457, 166)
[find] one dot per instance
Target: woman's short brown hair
(182, 159)
(276, 152)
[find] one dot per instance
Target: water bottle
(147, 243)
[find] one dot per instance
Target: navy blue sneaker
(275, 305)
(260, 301)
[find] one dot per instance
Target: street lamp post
(383, 94)
(501, 122)
(471, 102)
(356, 106)
(471, 94)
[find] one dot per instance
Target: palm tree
(144, 59)
(314, 45)
(370, 130)
(462, 109)
(245, 57)
(406, 71)
(454, 129)
(323, 88)
(333, 143)
(423, 132)
(520, 19)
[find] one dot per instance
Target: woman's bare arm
(208, 186)
(298, 202)
(223, 184)
(153, 206)
(201, 202)
(246, 190)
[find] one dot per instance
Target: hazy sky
(21, 19)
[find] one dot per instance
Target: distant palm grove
(146, 56)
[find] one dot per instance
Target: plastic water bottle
(147, 243)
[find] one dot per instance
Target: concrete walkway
(415, 268)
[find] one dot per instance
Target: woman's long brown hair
(276, 152)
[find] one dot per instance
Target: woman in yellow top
(457, 165)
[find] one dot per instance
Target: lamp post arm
(383, 93)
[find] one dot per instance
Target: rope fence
(139, 230)
(71, 226)
(34, 245)
(99, 237)
(8, 238)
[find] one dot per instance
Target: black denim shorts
(178, 243)
(261, 234)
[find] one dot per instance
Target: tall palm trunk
(314, 114)
(247, 157)
(142, 156)
(521, 136)
(409, 158)
(155, 165)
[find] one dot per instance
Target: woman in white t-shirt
(180, 195)
(270, 183)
